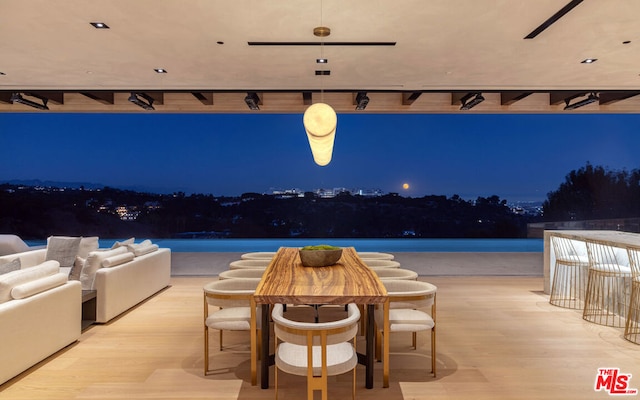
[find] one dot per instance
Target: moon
(405, 186)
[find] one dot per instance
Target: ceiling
(409, 56)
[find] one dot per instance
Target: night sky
(517, 157)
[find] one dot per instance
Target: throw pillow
(117, 260)
(93, 263)
(123, 243)
(76, 270)
(40, 285)
(63, 249)
(87, 245)
(9, 280)
(12, 265)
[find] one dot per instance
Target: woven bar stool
(569, 274)
(608, 286)
(632, 326)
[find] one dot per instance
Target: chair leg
(433, 351)
(206, 349)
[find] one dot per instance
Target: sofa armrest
(28, 258)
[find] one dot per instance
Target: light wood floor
(498, 338)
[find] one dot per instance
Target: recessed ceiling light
(589, 60)
(99, 25)
(220, 42)
(322, 60)
(323, 72)
(626, 42)
(160, 70)
(2, 73)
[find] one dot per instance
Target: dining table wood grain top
(287, 281)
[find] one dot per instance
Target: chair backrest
(564, 248)
(300, 332)
(418, 294)
(395, 274)
(258, 255)
(245, 273)
(381, 263)
(242, 264)
(375, 255)
(634, 260)
(230, 292)
(602, 253)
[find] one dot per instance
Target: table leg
(370, 336)
(264, 362)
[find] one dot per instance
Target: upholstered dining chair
(373, 263)
(632, 324)
(236, 311)
(569, 274)
(411, 308)
(395, 274)
(316, 350)
(375, 255)
(608, 286)
(244, 273)
(244, 264)
(258, 255)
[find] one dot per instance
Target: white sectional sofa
(36, 327)
(37, 324)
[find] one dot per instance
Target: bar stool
(372, 263)
(632, 326)
(258, 255)
(608, 286)
(569, 276)
(244, 264)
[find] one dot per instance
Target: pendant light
(320, 119)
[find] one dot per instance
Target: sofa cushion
(93, 263)
(30, 288)
(117, 259)
(9, 280)
(123, 243)
(87, 245)
(63, 249)
(141, 249)
(12, 265)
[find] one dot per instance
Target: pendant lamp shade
(320, 121)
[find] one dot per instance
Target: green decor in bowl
(320, 256)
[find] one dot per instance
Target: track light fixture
(592, 98)
(17, 98)
(468, 103)
(361, 101)
(252, 99)
(148, 105)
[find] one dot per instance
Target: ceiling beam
(556, 98)
(612, 97)
(205, 98)
(101, 97)
(306, 98)
(54, 97)
(508, 98)
(409, 98)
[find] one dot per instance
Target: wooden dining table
(287, 281)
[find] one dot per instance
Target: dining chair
(395, 274)
(245, 273)
(375, 255)
(258, 255)
(569, 274)
(632, 324)
(236, 311)
(244, 264)
(411, 308)
(372, 263)
(316, 350)
(608, 284)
